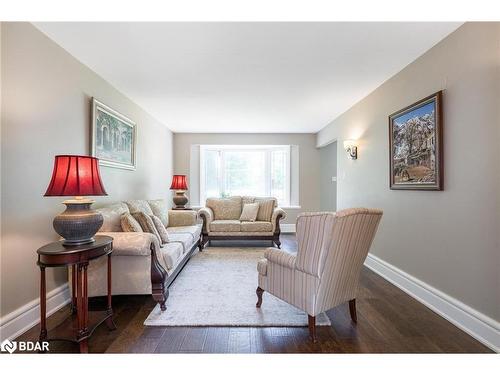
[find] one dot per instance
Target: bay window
(245, 170)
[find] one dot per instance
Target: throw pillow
(162, 231)
(129, 224)
(160, 209)
(147, 224)
(249, 212)
(266, 208)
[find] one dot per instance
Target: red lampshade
(179, 182)
(75, 175)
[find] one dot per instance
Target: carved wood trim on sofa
(160, 280)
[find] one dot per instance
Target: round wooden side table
(80, 325)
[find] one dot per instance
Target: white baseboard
(19, 321)
(481, 327)
(287, 228)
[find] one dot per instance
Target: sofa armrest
(280, 257)
(181, 218)
(132, 243)
(278, 215)
(207, 215)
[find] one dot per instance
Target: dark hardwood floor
(389, 321)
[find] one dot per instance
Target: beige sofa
(221, 220)
(140, 265)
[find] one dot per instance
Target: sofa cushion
(129, 224)
(249, 212)
(162, 231)
(256, 226)
(193, 230)
(147, 224)
(266, 208)
(225, 226)
(225, 208)
(160, 209)
(247, 199)
(172, 254)
(183, 238)
(139, 205)
(112, 217)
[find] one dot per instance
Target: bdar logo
(8, 346)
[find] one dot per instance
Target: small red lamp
(76, 176)
(179, 184)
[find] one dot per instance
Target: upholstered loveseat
(140, 263)
(221, 220)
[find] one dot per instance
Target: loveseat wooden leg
(259, 292)
(160, 296)
(352, 310)
(312, 327)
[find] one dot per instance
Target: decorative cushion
(137, 205)
(225, 226)
(160, 210)
(193, 230)
(147, 224)
(247, 199)
(162, 231)
(129, 224)
(256, 226)
(225, 208)
(172, 253)
(183, 238)
(249, 212)
(112, 217)
(266, 208)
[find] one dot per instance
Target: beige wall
(308, 160)
(46, 111)
(328, 168)
(448, 239)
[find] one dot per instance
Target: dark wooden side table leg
(82, 329)
(43, 306)
(109, 321)
(73, 289)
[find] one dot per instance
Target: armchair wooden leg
(352, 310)
(312, 327)
(259, 292)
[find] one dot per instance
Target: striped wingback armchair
(324, 273)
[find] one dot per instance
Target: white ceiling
(246, 77)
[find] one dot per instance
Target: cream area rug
(217, 288)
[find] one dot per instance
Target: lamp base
(78, 223)
(180, 199)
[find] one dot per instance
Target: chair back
(333, 247)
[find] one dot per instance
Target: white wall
(448, 239)
(45, 109)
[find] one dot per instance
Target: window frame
(268, 160)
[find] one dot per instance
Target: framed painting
(416, 146)
(113, 137)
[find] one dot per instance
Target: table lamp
(179, 184)
(76, 176)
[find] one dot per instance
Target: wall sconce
(351, 148)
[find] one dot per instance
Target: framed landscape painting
(416, 142)
(113, 137)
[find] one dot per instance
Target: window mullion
(222, 173)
